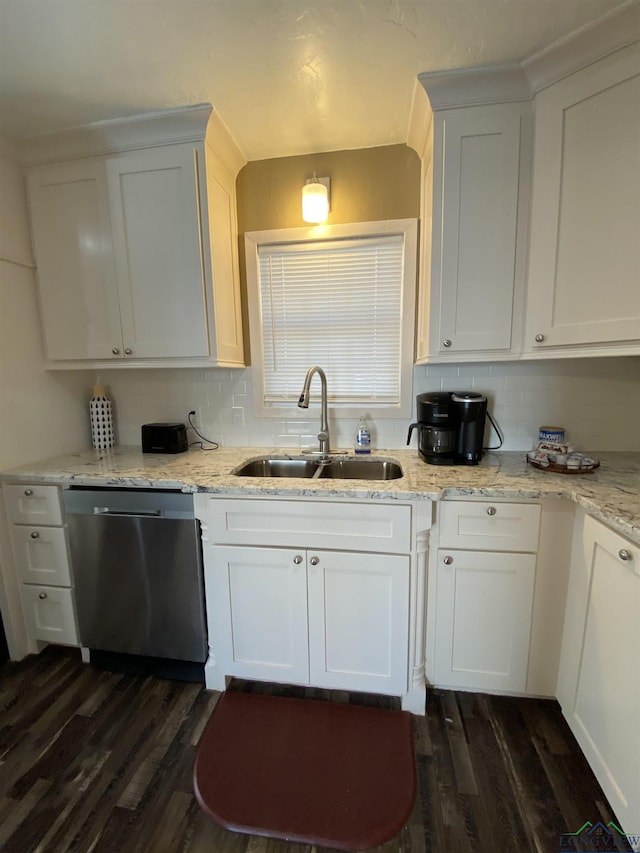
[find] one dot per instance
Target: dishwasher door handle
(143, 513)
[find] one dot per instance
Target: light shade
(315, 200)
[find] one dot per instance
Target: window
(341, 297)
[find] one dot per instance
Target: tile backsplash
(597, 401)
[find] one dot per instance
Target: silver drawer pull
(314, 561)
(539, 338)
(447, 560)
(624, 554)
(42, 595)
(491, 510)
(28, 492)
(297, 559)
(35, 535)
(446, 343)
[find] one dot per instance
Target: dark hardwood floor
(102, 762)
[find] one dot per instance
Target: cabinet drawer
(49, 614)
(41, 555)
(33, 504)
(320, 524)
(487, 526)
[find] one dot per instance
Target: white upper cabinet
(474, 216)
(153, 198)
(72, 241)
(136, 245)
(584, 268)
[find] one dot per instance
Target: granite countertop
(611, 493)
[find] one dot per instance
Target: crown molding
(466, 87)
(187, 124)
(220, 139)
(616, 30)
(420, 120)
(494, 84)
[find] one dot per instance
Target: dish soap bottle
(363, 437)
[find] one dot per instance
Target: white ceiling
(287, 76)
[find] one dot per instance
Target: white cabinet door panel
(358, 621)
(479, 217)
(584, 268)
(76, 275)
(156, 234)
(599, 682)
(257, 599)
(483, 619)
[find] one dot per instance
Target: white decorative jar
(101, 419)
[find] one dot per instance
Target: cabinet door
(156, 235)
(257, 608)
(358, 621)
(584, 264)
(49, 614)
(475, 280)
(599, 682)
(74, 257)
(483, 619)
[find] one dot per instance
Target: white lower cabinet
(293, 610)
(259, 612)
(328, 618)
(599, 678)
(49, 614)
(39, 542)
(483, 589)
(484, 619)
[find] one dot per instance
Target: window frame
(408, 228)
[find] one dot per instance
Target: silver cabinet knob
(297, 559)
(446, 343)
(314, 561)
(115, 351)
(624, 554)
(447, 560)
(491, 510)
(42, 596)
(28, 492)
(539, 338)
(128, 351)
(35, 535)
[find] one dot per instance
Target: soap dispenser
(362, 442)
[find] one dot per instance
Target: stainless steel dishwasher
(137, 567)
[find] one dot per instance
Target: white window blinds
(337, 304)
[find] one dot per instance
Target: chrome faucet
(303, 403)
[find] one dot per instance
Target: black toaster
(164, 438)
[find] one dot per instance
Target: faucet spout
(303, 403)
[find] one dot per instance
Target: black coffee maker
(450, 427)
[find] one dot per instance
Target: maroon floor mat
(321, 773)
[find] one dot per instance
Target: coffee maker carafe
(450, 427)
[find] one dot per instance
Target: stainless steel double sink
(314, 469)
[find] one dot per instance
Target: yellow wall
(366, 185)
